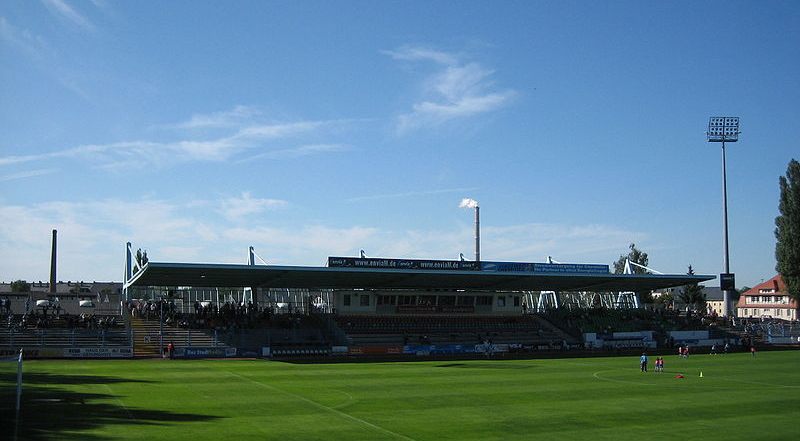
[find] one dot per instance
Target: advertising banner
(375, 350)
(98, 353)
(403, 264)
(424, 350)
(463, 265)
(194, 352)
(558, 268)
(34, 353)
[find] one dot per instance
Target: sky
(195, 129)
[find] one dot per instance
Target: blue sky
(307, 129)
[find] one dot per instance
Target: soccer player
(643, 362)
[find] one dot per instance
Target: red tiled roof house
(768, 299)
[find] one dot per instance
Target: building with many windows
(768, 299)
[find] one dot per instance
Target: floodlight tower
(724, 129)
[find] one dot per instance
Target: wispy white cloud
(411, 53)
(27, 174)
(229, 118)
(64, 11)
(238, 207)
(300, 151)
(23, 40)
(247, 136)
(409, 194)
(456, 90)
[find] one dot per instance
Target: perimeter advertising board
(98, 353)
(195, 352)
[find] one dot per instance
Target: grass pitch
(738, 397)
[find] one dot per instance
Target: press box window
(346, 300)
(365, 300)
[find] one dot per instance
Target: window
(501, 301)
(365, 300)
(484, 301)
(346, 300)
(405, 300)
(387, 300)
(466, 301)
(516, 301)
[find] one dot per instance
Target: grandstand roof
(269, 276)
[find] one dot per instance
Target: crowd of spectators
(606, 321)
(229, 316)
(42, 320)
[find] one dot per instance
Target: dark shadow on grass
(50, 412)
(34, 378)
(492, 365)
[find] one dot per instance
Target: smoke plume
(468, 203)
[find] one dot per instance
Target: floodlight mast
(722, 129)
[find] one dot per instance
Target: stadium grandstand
(354, 307)
(401, 307)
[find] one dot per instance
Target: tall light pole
(725, 129)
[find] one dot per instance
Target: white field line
(128, 411)
(325, 408)
(723, 378)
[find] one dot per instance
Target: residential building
(768, 299)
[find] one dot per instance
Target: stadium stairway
(146, 338)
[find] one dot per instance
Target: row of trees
(787, 230)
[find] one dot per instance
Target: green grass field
(575, 399)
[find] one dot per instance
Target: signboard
(460, 265)
(403, 264)
(33, 353)
(193, 352)
(560, 268)
(727, 281)
(98, 353)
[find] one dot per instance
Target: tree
(635, 255)
(666, 298)
(20, 286)
(787, 230)
(738, 293)
(692, 294)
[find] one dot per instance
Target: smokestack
(477, 233)
(472, 203)
(53, 264)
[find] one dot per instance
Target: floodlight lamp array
(723, 129)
